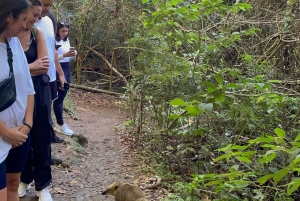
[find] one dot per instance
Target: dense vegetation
(213, 89)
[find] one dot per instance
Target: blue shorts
(3, 175)
(17, 157)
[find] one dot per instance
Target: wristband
(25, 124)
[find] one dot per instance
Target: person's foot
(23, 188)
(64, 129)
(57, 139)
(44, 195)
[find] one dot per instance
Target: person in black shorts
(15, 118)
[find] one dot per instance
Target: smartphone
(72, 48)
(66, 85)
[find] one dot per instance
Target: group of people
(35, 58)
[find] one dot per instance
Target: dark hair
(14, 7)
(62, 24)
(36, 2)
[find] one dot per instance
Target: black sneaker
(57, 139)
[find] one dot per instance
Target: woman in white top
(16, 120)
(65, 54)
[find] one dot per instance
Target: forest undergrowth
(211, 86)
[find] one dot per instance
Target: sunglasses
(63, 23)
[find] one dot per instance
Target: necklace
(29, 43)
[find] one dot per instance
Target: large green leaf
(177, 102)
(280, 132)
(293, 185)
(264, 179)
(279, 175)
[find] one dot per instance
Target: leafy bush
(198, 85)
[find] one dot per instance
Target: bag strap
(34, 32)
(9, 57)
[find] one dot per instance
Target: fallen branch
(110, 65)
(93, 89)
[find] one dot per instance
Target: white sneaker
(64, 129)
(44, 195)
(23, 188)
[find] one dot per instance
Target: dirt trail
(102, 162)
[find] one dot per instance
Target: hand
(71, 53)
(62, 81)
(15, 137)
(41, 64)
(24, 129)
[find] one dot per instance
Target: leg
(3, 189)
(27, 173)
(3, 194)
(58, 103)
(62, 127)
(13, 180)
(41, 146)
(15, 162)
(53, 95)
(58, 106)
(42, 154)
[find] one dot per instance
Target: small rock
(71, 161)
(81, 139)
(55, 160)
(74, 145)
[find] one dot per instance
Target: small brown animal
(124, 192)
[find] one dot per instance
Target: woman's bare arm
(41, 65)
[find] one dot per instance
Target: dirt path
(105, 156)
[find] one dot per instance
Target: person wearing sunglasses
(15, 114)
(65, 54)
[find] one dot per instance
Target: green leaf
(206, 107)
(241, 184)
(280, 132)
(213, 183)
(274, 81)
(260, 99)
(243, 5)
(264, 179)
(209, 107)
(209, 84)
(155, 2)
(219, 79)
(193, 110)
(297, 138)
(232, 85)
(292, 186)
(244, 159)
(219, 97)
(280, 174)
(145, 1)
(177, 102)
(267, 158)
(222, 157)
(174, 116)
(237, 147)
(261, 139)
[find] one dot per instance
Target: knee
(13, 184)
